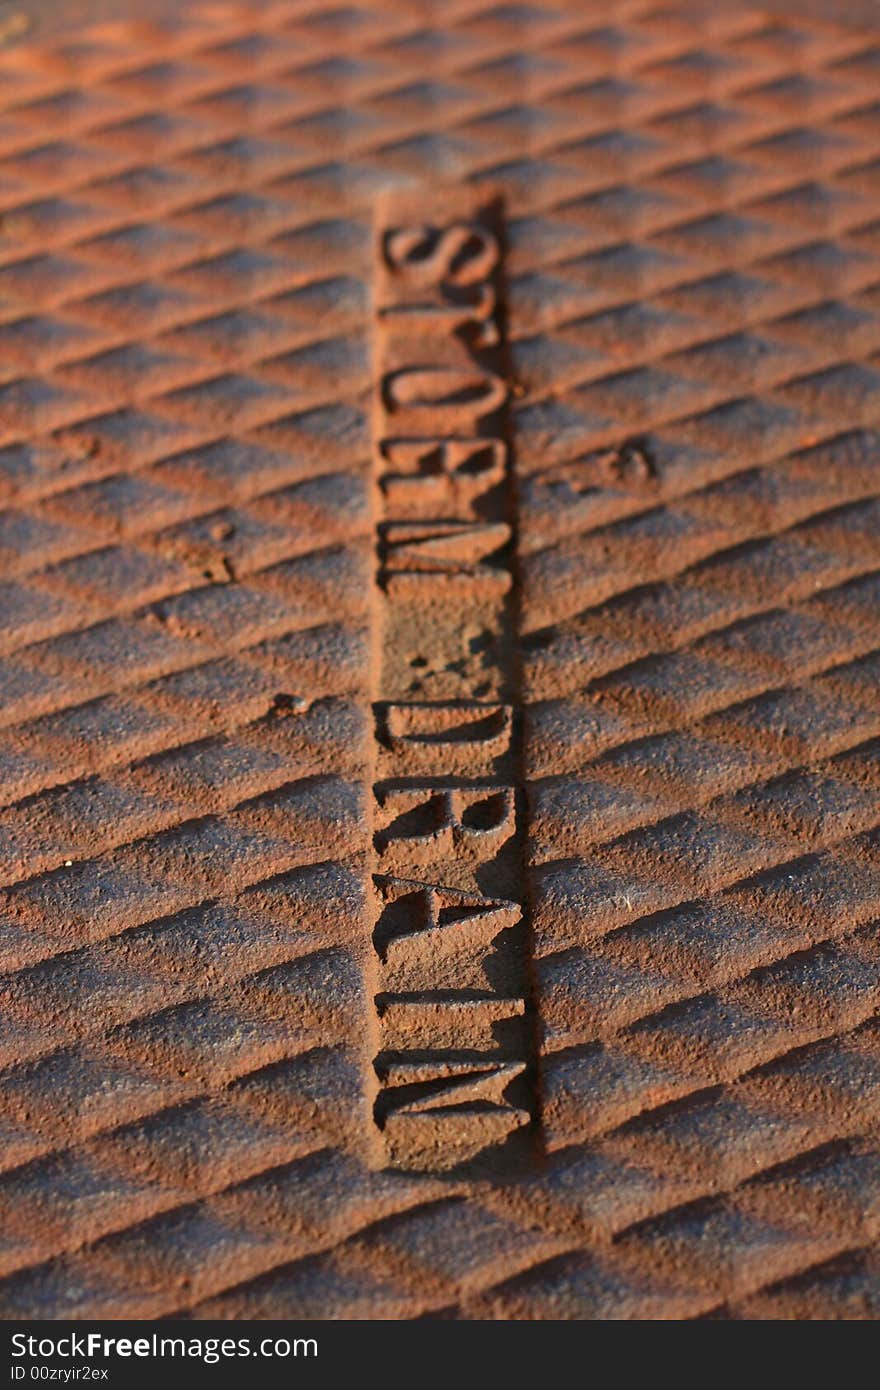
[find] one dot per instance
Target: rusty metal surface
(691, 206)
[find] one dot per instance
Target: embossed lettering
(453, 396)
(449, 820)
(462, 254)
(452, 1036)
(447, 473)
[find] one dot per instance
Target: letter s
(463, 254)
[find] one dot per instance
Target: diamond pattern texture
(693, 262)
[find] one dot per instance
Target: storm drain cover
(440, 664)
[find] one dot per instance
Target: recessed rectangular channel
(453, 1054)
